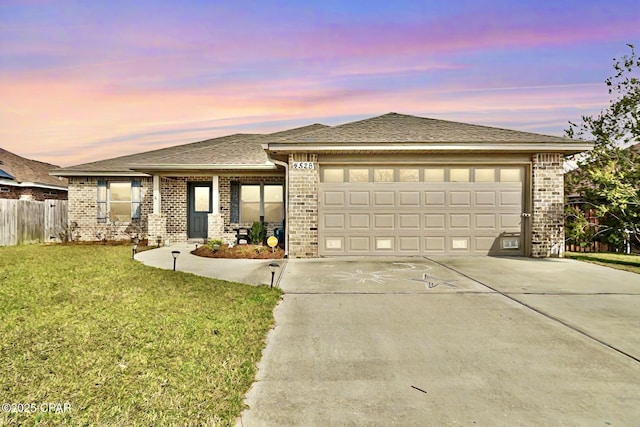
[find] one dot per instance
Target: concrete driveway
(451, 341)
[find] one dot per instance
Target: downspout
(286, 198)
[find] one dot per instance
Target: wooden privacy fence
(30, 221)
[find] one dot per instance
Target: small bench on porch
(242, 235)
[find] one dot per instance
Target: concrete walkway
(251, 271)
(453, 341)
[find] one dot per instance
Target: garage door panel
(334, 198)
(409, 243)
(435, 244)
(359, 198)
(460, 199)
(359, 221)
(409, 221)
(384, 199)
(484, 243)
(435, 222)
(460, 221)
(459, 244)
(409, 198)
(383, 221)
(359, 243)
(510, 198)
(333, 221)
(434, 198)
(485, 221)
(385, 243)
(334, 244)
(485, 198)
(509, 222)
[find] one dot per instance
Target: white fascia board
(445, 147)
(152, 167)
(97, 173)
(32, 184)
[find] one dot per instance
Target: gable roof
(23, 172)
(398, 128)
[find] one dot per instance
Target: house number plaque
(304, 165)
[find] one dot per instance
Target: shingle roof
(398, 128)
(246, 150)
(21, 170)
(237, 149)
(122, 163)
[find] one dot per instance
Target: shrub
(258, 233)
(215, 244)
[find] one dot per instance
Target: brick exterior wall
(171, 223)
(303, 208)
(31, 193)
(83, 210)
(547, 225)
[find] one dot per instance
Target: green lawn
(121, 343)
(619, 261)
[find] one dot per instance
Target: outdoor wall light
(273, 267)
(175, 254)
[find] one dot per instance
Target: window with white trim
(118, 201)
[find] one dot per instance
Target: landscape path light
(134, 247)
(273, 267)
(175, 254)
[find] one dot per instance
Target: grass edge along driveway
(618, 261)
(114, 342)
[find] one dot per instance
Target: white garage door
(421, 210)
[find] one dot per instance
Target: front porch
(213, 206)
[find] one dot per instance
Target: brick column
(547, 224)
(303, 208)
(157, 227)
(215, 226)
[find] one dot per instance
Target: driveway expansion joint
(536, 310)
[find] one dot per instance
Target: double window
(118, 201)
(261, 200)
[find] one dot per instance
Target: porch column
(157, 198)
(157, 227)
(215, 222)
(215, 195)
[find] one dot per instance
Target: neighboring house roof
(22, 172)
(233, 151)
(390, 132)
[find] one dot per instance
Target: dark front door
(199, 207)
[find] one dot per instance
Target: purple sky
(86, 80)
